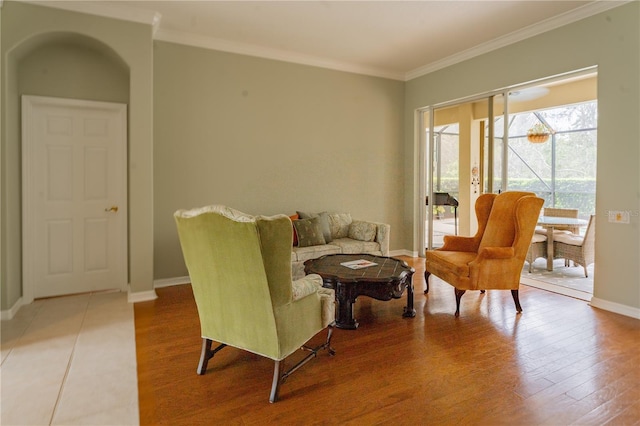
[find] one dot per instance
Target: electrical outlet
(618, 216)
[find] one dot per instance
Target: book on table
(358, 264)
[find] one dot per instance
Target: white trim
(10, 313)
(28, 235)
(168, 282)
(254, 50)
(617, 308)
(403, 252)
(29, 212)
(155, 23)
(582, 12)
(141, 296)
(128, 13)
(595, 302)
(154, 18)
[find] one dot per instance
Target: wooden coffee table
(384, 281)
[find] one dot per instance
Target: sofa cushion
(351, 246)
(324, 223)
(339, 224)
(309, 232)
(362, 231)
(313, 252)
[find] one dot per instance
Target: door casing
(32, 193)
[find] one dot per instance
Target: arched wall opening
(70, 65)
(52, 64)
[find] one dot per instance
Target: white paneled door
(74, 196)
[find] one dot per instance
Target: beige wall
(611, 41)
(66, 68)
(269, 137)
(28, 32)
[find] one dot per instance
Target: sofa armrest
(382, 232)
(383, 235)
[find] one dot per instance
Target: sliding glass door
(453, 137)
(484, 144)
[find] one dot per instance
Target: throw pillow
(295, 235)
(362, 231)
(309, 232)
(324, 223)
(339, 223)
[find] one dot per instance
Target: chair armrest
(312, 285)
(458, 243)
(495, 253)
(305, 286)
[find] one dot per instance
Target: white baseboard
(168, 282)
(617, 308)
(403, 252)
(141, 296)
(145, 296)
(10, 313)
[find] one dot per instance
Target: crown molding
(578, 14)
(248, 49)
(127, 13)
(154, 19)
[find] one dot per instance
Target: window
(561, 170)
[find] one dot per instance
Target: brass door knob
(112, 209)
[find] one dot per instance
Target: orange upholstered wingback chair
(494, 257)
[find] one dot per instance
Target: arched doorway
(63, 65)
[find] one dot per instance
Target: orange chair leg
(426, 281)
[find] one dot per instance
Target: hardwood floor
(560, 362)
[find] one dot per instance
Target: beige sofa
(319, 234)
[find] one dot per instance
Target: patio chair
(537, 248)
(558, 230)
(580, 249)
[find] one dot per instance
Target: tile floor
(70, 360)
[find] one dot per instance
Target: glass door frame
(426, 152)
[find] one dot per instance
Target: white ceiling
(394, 39)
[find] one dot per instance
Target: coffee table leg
(345, 307)
(409, 311)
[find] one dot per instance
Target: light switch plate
(619, 216)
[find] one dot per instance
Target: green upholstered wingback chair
(494, 257)
(240, 270)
